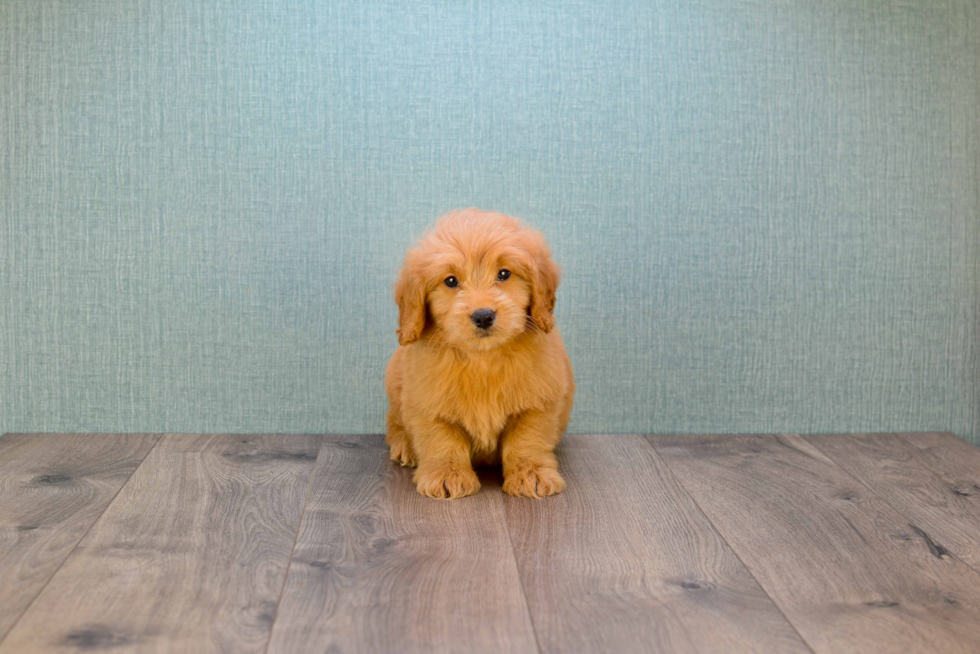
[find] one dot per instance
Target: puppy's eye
(503, 275)
(451, 282)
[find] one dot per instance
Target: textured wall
(768, 211)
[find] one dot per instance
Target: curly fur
(461, 396)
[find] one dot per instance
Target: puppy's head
(476, 281)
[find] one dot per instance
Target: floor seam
(75, 547)
(727, 544)
(520, 574)
(299, 528)
(884, 499)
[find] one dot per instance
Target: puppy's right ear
(410, 297)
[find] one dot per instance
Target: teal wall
(768, 212)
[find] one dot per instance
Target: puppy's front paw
(533, 482)
(446, 484)
(401, 452)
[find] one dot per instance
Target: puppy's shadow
(491, 477)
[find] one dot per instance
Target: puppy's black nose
(483, 318)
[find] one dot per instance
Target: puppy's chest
(481, 399)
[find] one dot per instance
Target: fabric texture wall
(768, 213)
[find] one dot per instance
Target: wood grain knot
(692, 585)
(367, 523)
(320, 565)
(935, 548)
(266, 613)
(51, 479)
(267, 456)
(95, 637)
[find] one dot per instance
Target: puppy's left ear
(543, 287)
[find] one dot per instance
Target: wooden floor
(182, 543)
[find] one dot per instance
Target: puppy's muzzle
(483, 318)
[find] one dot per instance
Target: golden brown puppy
(481, 376)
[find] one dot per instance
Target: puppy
(481, 376)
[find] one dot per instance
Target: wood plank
(953, 459)
(849, 571)
(190, 556)
(379, 568)
(936, 486)
(624, 561)
(53, 488)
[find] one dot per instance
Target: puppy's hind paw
(533, 482)
(447, 485)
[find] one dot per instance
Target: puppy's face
(477, 281)
(481, 302)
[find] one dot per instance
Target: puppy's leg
(443, 453)
(397, 438)
(567, 400)
(528, 455)
(398, 441)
